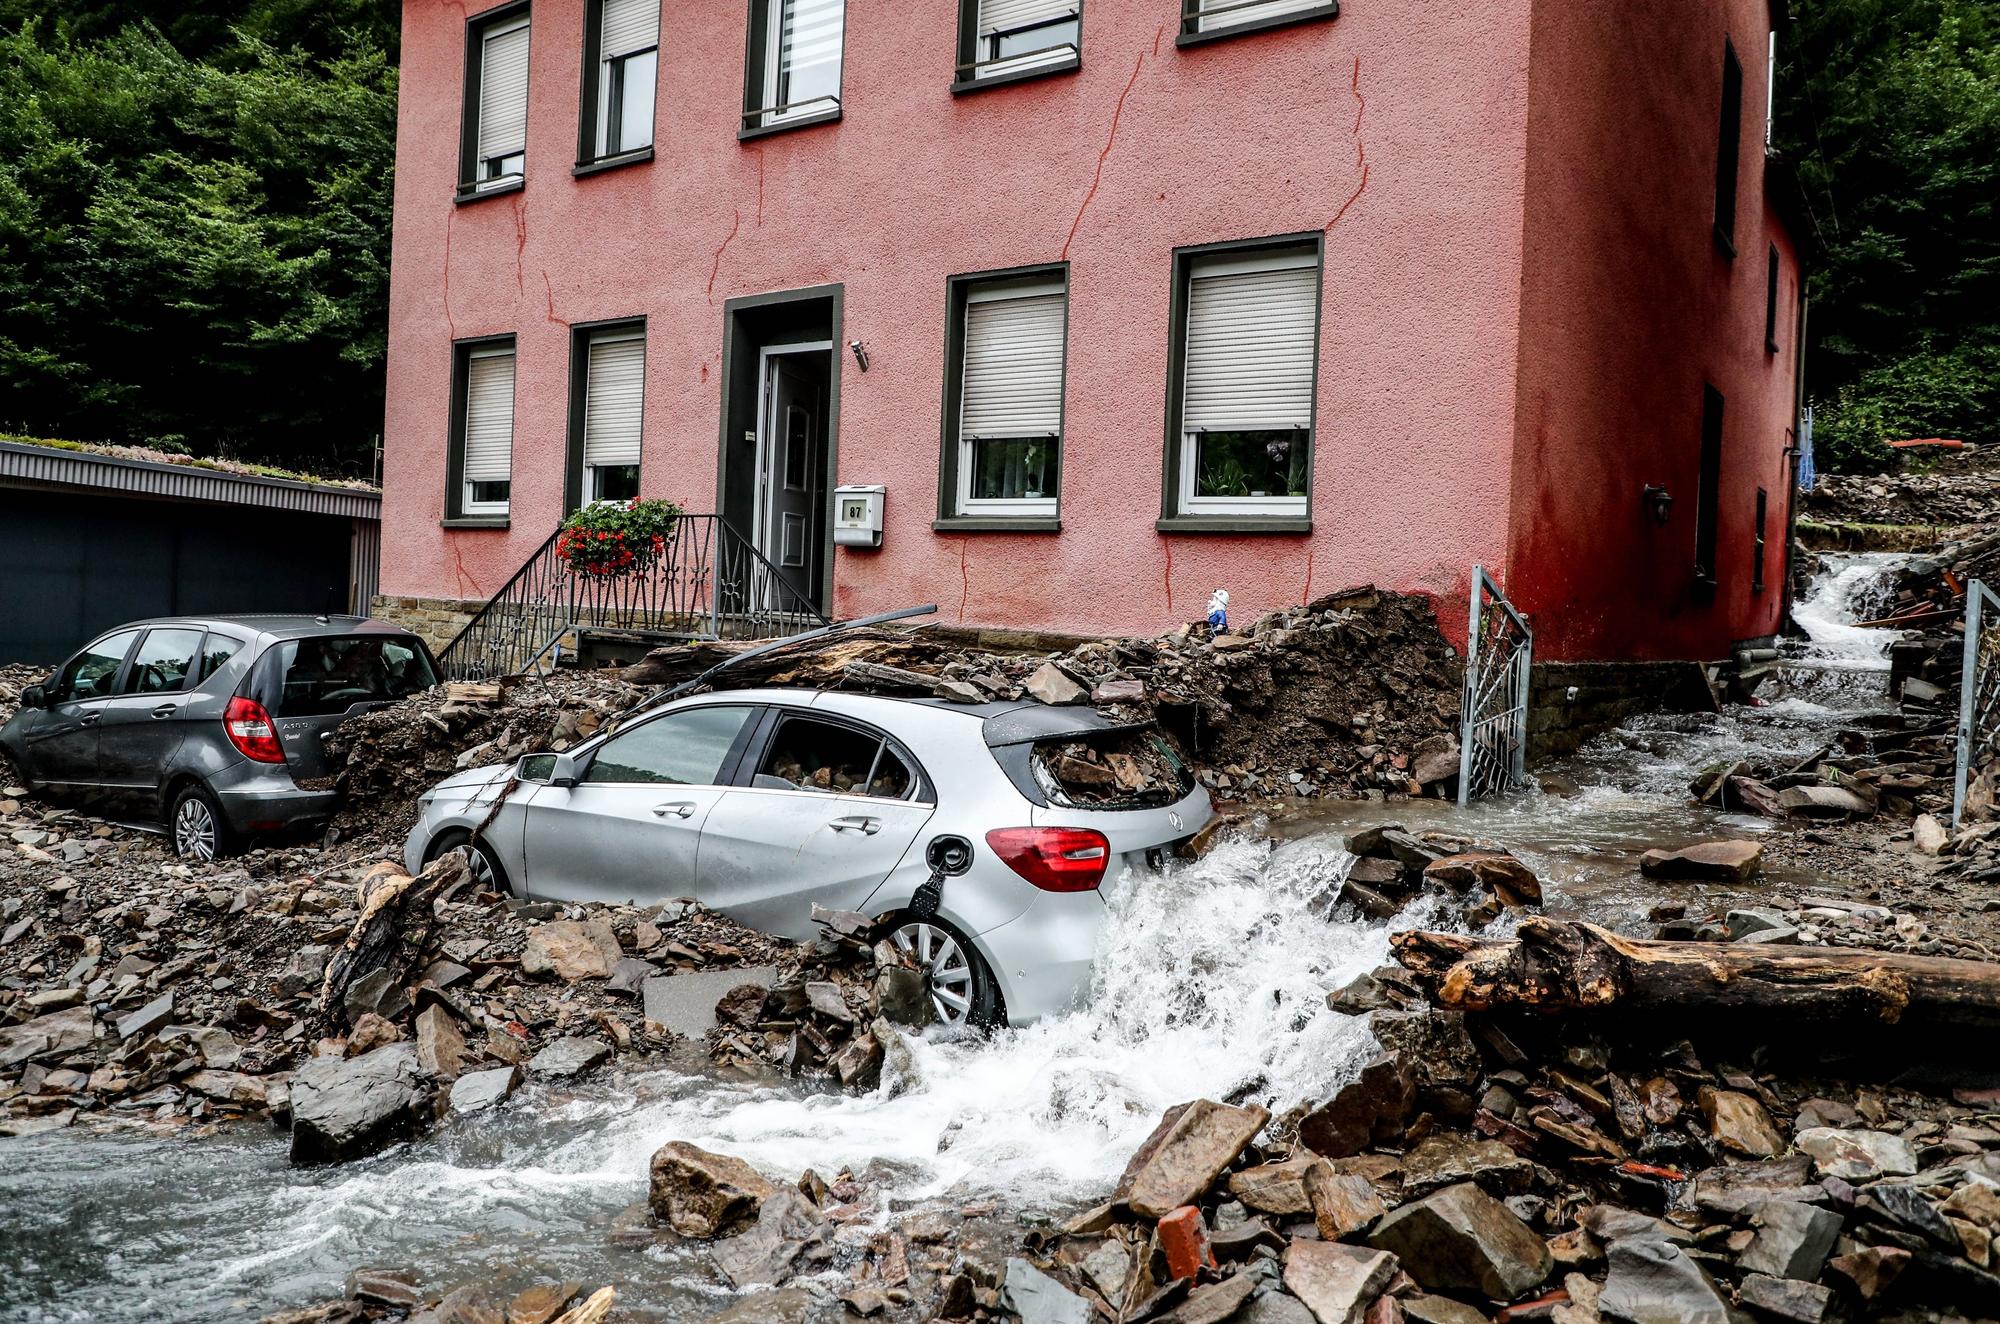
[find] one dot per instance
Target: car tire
(485, 868)
(197, 825)
(954, 971)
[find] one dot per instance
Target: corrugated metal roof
(42, 465)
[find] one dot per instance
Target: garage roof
(25, 465)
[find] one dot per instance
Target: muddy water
(1208, 984)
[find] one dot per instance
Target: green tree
(1892, 110)
(195, 250)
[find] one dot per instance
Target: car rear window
(324, 677)
(1122, 769)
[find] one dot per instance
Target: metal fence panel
(1493, 718)
(1978, 691)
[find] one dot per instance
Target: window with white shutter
(1008, 38)
(1007, 455)
(1201, 17)
(486, 458)
(797, 71)
(499, 121)
(625, 70)
(1246, 390)
(613, 413)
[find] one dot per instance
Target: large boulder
(344, 1108)
(1857, 1155)
(699, 1194)
(1461, 1239)
(1496, 871)
(1337, 1282)
(1792, 1240)
(1707, 862)
(1655, 1282)
(763, 1255)
(1369, 1108)
(571, 950)
(1186, 1154)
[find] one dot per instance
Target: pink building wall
(1399, 130)
(1630, 306)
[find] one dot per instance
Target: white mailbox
(857, 514)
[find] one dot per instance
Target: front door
(791, 478)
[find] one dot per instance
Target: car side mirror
(564, 773)
(34, 697)
(534, 767)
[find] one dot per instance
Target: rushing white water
(1847, 588)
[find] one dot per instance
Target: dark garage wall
(71, 566)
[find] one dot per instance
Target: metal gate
(1493, 720)
(1978, 691)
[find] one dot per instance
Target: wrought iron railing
(1493, 719)
(708, 582)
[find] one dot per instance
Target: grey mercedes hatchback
(211, 724)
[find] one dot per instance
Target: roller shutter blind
(1250, 347)
(1013, 365)
(503, 93)
(629, 25)
(810, 37)
(1250, 13)
(489, 417)
(614, 401)
(1009, 15)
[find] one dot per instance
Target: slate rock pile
(1897, 765)
(1952, 492)
(1394, 866)
(396, 1294)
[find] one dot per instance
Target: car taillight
(1054, 859)
(251, 731)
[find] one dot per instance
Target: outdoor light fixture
(860, 353)
(1658, 502)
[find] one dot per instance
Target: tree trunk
(1553, 966)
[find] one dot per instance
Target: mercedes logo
(1174, 819)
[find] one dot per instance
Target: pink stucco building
(1119, 301)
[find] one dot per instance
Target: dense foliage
(1891, 109)
(194, 225)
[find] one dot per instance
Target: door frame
(765, 492)
(742, 318)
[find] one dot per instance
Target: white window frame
(1250, 11)
(481, 182)
(596, 338)
(774, 35)
(1770, 87)
(989, 63)
(601, 132)
(467, 505)
(965, 503)
(1291, 507)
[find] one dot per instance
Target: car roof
(1018, 721)
(273, 625)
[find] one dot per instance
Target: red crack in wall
(1117, 112)
(1167, 546)
(551, 289)
(1360, 150)
(450, 325)
(735, 221)
(520, 244)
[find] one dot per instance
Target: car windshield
(325, 677)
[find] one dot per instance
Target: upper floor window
(483, 428)
(622, 68)
(493, 153)
(1728, 147)
(614, 394)
(1247, 320)
(1004, 40)
(1202, 19)
(1004, 421)
(792, 73)
(1771, 303)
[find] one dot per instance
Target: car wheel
(486, 870)
(962, 990)
(200, 831)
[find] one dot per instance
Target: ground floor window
(612, 409)
(482, 428)
(1247, 335)
(1004, 398)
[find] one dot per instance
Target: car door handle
(164, 710)
(679, 809)
(89, 719)
(861, 823)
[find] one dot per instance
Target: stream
(1211, 983)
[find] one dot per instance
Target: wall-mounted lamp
(1658, 502)
(860, 353)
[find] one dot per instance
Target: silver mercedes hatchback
(984, 833)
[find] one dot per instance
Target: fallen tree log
(815, 663)
(1554, 966)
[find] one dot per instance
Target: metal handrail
(753, 119)
(1075, 52)
(1199, 9)
(708, 582)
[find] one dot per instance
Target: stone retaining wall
(434, 620)
(1605, 694)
